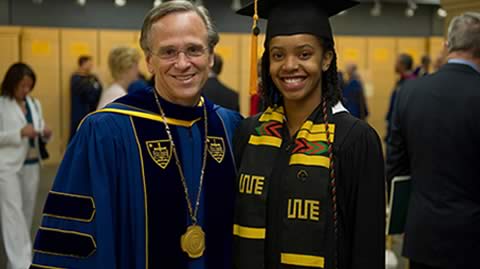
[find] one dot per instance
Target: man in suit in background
(85, 91)
(436, 139)
(218, 92)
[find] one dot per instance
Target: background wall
(103, 14)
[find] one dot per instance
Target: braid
(331, 96)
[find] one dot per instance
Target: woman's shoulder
(350, 130)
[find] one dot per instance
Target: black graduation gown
(359, 170)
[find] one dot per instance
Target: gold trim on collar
(149, 116)
(249, 232)
(302, 260)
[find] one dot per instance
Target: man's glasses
(171, 53)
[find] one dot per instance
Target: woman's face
(24, 87)
(296, 64)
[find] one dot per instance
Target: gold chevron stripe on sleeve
(309, 160)
(249, 232)
(265, 140)
(302, 260)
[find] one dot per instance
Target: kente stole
(297, 171)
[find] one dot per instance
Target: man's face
(179, 57)
(87, 66)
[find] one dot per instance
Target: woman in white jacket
(21, 128)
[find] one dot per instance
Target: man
(148, 182)
(424, 68)
(85, 91)
(403, 67)
(436, 139)
(218, 92)
(353, 93)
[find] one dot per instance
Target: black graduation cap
(289, 17)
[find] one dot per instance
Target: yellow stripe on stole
(272, 114)
(249, 232)
(265, 140)
(313, 137)
(317, 128)
(302, 260)
(309, 160)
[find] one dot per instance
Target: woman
(21, 127)
(123, 64)
(311, 189)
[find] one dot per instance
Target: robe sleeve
(78, 224)
(361, 182)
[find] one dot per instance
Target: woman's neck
(298, 112)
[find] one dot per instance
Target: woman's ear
(327, 60)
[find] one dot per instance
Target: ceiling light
(376, 9)
(120, 3)
(442, 13)
(156, 3)
(81, 2)
(411, 7)
(236, 5)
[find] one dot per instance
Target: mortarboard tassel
(254, 98)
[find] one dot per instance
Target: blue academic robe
(118, 201)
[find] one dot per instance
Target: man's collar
(465, 62)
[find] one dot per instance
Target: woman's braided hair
(330, 89)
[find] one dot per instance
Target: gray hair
(464, 33)
(169, 7)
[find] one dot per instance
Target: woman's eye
(277, 56)
(305, 55)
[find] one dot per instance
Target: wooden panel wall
(9, 47)
(379, 80)
(228, 49)
(40, 48)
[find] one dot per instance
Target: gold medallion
(193, 241)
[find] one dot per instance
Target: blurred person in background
(85, 90)
(354, 94)
(403, 67)
(424, 68)
(218, 92)
(123, 65)
(21, 128)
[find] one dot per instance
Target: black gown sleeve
(361, 184)
(241, 137)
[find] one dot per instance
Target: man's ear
(148, 59)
